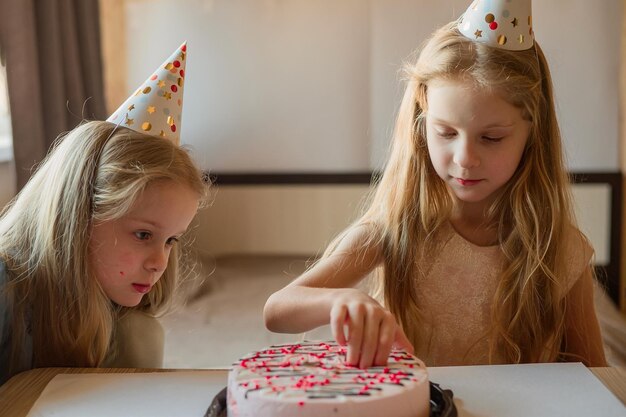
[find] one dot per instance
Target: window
(6, 138)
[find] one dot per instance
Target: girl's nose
(157, 261)
(466, 155)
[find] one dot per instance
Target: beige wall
(299, 220)
(246, 70)
(271, 219)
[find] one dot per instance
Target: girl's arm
(583, 340)
(306, 302)
(325, 295)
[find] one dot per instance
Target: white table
(502, 391)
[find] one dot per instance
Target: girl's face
(475, 139)
(129, 254)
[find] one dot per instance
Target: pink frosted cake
(312, 379)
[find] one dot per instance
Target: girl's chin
(129, 302)
(469, 198)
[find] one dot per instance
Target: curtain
(622, 275)
(54, 72)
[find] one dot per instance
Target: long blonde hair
(410, 202)
(94, 173)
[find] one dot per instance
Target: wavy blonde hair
(533, 212)
(94, 173)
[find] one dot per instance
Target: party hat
(505, 24)
(156, 107)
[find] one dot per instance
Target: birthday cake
(313, 379)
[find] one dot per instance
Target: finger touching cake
(313, 379)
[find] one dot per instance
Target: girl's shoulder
(363, 236)
(577, 246)
(578, 254)
(361, 241)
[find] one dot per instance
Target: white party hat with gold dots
(505, 24)
(156, 107)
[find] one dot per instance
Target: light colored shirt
(138, 342)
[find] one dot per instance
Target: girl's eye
(446, 135)
(492, 139)
(171, 241)
(142, 235)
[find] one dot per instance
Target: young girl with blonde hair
(470, 228)
(90, 239)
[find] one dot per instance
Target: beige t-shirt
(457, 294)
(138, 342)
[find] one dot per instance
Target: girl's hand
(372, 330)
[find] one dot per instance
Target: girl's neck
(472, 224)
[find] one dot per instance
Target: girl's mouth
(142, 288)
(467, 183)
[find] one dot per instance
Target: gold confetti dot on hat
(495, 22)
(144, 109)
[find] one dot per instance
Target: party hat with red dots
(156, 107)
(505, 24)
